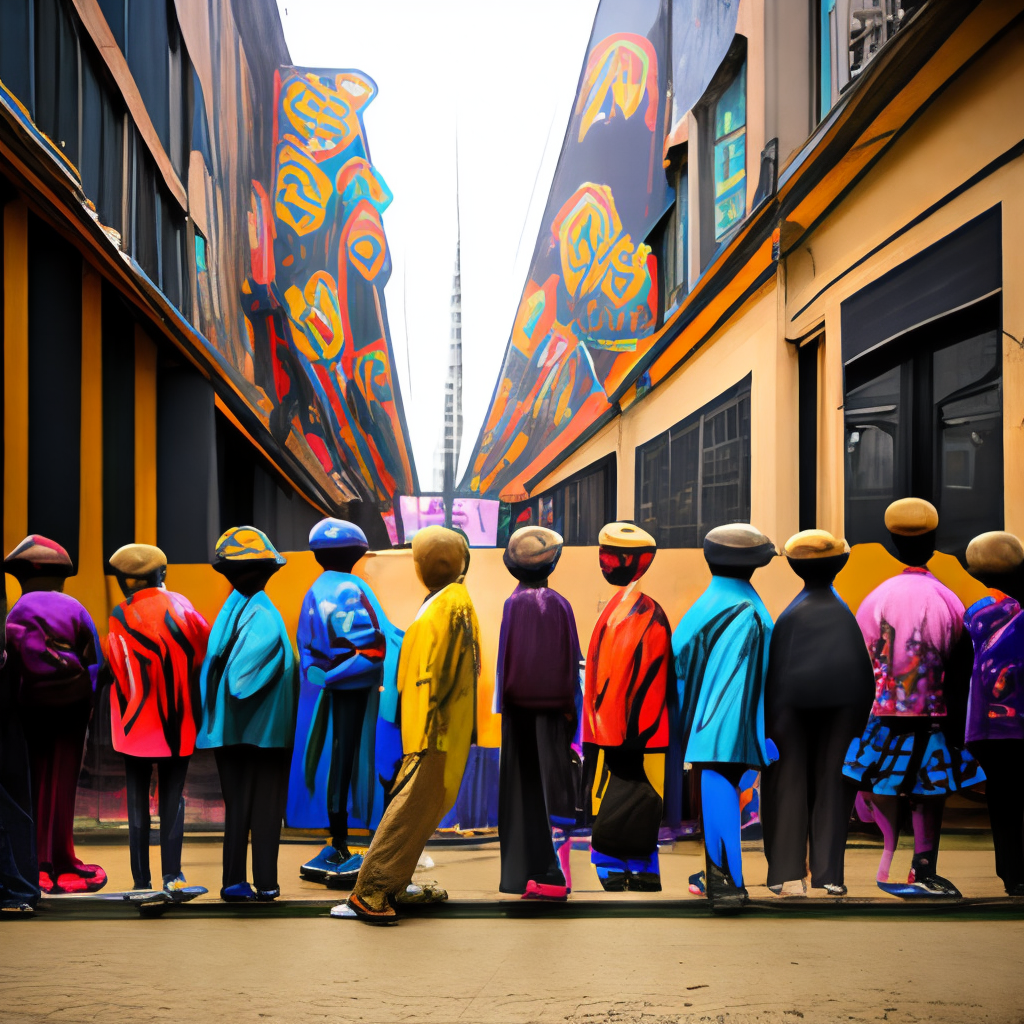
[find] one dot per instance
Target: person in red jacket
(156, 646)
(629, 675)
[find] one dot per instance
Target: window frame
(698, 418)
(607, 464)
(731, 67)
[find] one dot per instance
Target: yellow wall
(15, 283)
(977, 118)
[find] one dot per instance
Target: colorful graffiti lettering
(314, 301)
(620, 70)
(608, 280)
(578, 335)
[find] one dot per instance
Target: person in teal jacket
(721, 652)
(248, 695)
(348, 656)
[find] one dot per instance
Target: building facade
(194, 330)
(831, 231)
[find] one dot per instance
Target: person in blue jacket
(721, 652)
(248, 697)
(346, 648)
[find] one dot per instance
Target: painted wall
(291, 297)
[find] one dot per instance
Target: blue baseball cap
(336, 535)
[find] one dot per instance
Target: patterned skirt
(903, 756)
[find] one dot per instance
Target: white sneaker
(797, 887)
(425, 863)
(342, 910)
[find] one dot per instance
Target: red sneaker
(95, 877)
(541, 891)
(69, 881)
(45, 881)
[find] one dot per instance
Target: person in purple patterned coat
(995, 704)
(56, 658)
(536, 685)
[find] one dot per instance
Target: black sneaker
(725, 895)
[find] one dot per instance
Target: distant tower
(453, 384)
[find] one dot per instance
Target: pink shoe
(69, 881)
(563, 852)
(540, 891)
(93, 875)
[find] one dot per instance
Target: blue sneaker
(345, 874)
(240, 892)
(180, 891)
(329, 859)
(935, 886)
(267, 895)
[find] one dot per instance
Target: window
(807, 431)
(145, 235)
(847, 37)
(696, 475)
(924, 416)
(200, 251)
(722, 152)
(675, 232)
(56, 76)
(102, 142)
(731, 155)
(576, 508)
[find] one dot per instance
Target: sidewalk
(470, 874)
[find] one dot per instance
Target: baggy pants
(56, 747)
(805, 796)
(254, 783)
(170, 772)
(1003, 764)
(417, 807)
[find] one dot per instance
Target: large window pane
(966, 385)
(696, 476)
(731, 155)
(872, 424)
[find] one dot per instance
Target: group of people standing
(908, 701)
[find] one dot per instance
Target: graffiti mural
(313, 301)
(587, 325)
(591, 297)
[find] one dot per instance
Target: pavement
(619, 959)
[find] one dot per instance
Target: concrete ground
(470, 871)
(301, 966)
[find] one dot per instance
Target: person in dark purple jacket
(55, 660)
(995, 705)
(536, 687)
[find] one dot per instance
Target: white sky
(508, 74)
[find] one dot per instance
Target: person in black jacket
(817, 699)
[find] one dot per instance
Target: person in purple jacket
(56, 658)
(536, 686)
(995, 704)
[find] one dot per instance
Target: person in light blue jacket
(248, 696)
(348, 657)
(721, 652)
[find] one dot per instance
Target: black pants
(804, 795)
(348, 709)
(254, 783)
(170, 783)
(535, 779)
(1003, 763)
(19, 870)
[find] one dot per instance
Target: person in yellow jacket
(437, 678)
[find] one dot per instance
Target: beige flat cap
(625, 535)
(994, 552)
(910, 517)
(737, 535)
(531, 547)
(439, 555)
(137, 560)
(814, 544)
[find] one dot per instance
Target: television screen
(476, 517)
